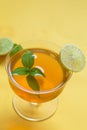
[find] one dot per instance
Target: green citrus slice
(72, 58)
(5, 46)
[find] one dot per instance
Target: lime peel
(5, 45)
(72, 58)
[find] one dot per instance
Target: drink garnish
(33, 83)
(5, 46)
(29, 70)
(16, 48)
(72, 58)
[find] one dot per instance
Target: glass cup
(37, 105)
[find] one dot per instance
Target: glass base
(34, 111)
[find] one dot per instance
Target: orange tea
(50, 86)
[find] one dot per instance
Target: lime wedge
(5, 46)
(72, 58)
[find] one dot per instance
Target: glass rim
(34, 42)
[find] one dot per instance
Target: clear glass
(40, 108)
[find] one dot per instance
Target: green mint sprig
(29, 70)
(16, 48)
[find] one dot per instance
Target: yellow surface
(58, 21)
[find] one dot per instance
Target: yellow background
(63, 21)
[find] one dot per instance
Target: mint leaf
(33, 83)
(28, 62)
(36, 72)
(21, 71)
(28, 59)
(16, 48)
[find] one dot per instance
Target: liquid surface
(48, 62)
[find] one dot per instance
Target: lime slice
(72, 58)
(5, 46)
